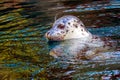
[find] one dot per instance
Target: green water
(24, 51)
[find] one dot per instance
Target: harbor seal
(76, 40)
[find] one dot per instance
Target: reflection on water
(24, 50)
(84, 50)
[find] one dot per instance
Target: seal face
(68, 27)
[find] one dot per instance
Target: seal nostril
(47, 34)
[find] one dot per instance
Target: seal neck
(77, 34)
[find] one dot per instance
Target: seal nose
(47, 35)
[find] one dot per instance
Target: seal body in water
(76, 40)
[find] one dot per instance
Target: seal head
(68, 27)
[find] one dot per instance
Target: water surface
(24, 51)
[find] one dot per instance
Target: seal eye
(60, 26)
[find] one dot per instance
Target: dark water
(24, 52)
